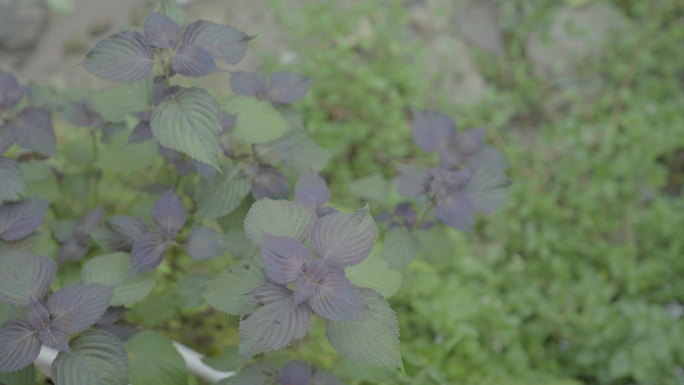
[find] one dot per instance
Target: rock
(575, 34)
(430, 18)
(452, 69)
(22, 22)
(478, 24)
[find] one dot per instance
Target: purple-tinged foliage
(312, 190)
(163, 93)
(228, 121)
(221, 41)
(32, 129)
(334, 297)
(169, 214)
(123, 57)
(432, 130)
(90, 222)
(193, 61)
(120, 233)
(12, 185)
(20, 345)
(75, 308)
(10, 91)
(411, 182)
(205, 170)
(148, 252)
(82, 114)
(456, 211)
(284, 258)
(270, 183)
(160, 31)
(111, 315)
(142, 132)
(76, 247)
(465, 145)
(295, 373)
(24, 276)
(38, 315)
(21, 219)
(54, 338)
(248, 84)
(287, 87)
(6, 138)
(344, 239)
(204, 243)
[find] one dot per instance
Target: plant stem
(424, 213)
(96, 181)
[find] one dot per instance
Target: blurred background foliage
(577, 279)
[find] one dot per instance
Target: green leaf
(436, 244)
(373, 340)
(374, 273)
(373, 188)
(154, 360)
(113, 269)
(190, 123)
(12, 185)
(115, 102)
(257, 120)
(40, 181)
(229, 360)
(296, 151)
(222, 194)
(26, 376)
(97, 358)
(118, 156)
(191, 288)
(280, 218)
(399, 247)
(173, 11)
(156, 309)
(229, 291)
(9, 311)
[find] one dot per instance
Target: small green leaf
(257, 120)
(373, 188)
(118, 156)
(154, 360)
(399, 247)
(173, 11)
(97, 358)
(374, 273)
(229, 291)
(296, 151)
(222, 194)
(114, 103)
(190, 122)
(280, 218)
(113, 269)
(191, 288)
(26, 376)
(373, 340)
(229, 360)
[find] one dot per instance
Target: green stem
(424, 213)
(93, 169)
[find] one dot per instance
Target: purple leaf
(268, 293)
(336, 298)
(229, 121)
(488, 158)
(204, 243)
(456, 211)
(411, 182)
(204, 169)
(344, 239)
(161, 31)
(323, 378)
(169, 214)
(247, 84)
(221, 41)
(10, 91)
(432, 130)
(286, 87)
(193, 61)
(141, 133)
(122, 58)
(120, 233)
(38, 315)
(162, 93)
(284, 258)
(82, 114)
(6, 138)
(90, 222)
(33, 131)
(148, 252)
(54, 338)
(273, 326)
(74, 249)
(259, 374)
(309, 279)
(486, 190)
(270, 183)
(295, 373)
(75, 308)
(312, 190)
(12, 185)
(445, 182)
(113, 314)
(20, 345)
(19, 220)
(24, 276)
(470, 141)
